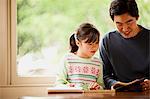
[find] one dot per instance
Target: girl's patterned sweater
(79, 71)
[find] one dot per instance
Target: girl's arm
(100, 77)
(99, 83)
(62, 74)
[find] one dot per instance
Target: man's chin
(127, 36)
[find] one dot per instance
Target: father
(125, 51)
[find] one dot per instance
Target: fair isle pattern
(82, 70)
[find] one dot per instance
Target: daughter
(80, 68)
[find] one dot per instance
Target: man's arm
(108, 72)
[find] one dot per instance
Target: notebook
(63, 89)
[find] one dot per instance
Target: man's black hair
(119, 7)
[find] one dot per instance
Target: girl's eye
(89, 44)
(97, 43)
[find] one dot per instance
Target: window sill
(27, 85)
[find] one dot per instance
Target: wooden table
(41, 93)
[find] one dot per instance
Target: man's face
(126, 25)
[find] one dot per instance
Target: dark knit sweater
(125, 59)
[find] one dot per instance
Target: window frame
(14, 79)
(4, 80)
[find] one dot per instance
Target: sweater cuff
(111, 82)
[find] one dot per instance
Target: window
(39, 34)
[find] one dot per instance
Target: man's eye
(130, 22)
(119, 24)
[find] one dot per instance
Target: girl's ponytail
(73, 45)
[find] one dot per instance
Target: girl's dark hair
(86, 31)
(119, 7)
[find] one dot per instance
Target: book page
(134, 81)
(131, 86)
(122, 83)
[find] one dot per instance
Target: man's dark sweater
(125, 59)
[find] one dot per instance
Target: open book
(130, 86)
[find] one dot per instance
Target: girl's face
(87, 50)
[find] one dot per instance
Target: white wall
(3, 42)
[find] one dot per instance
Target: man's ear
(137, 18)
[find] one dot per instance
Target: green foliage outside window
(44, 23)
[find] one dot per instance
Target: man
(125, 51)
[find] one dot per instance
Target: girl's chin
(92, 54)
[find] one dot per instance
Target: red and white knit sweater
(80, 70)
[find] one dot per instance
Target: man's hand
(146, 85)
(112, 87)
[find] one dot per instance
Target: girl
(80, 68)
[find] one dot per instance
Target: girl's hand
(71, 84)
(94, 86)
(146, 85)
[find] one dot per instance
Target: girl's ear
(77, 43)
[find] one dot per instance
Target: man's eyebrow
(129, 20)
(118, 22)
(125, 22)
